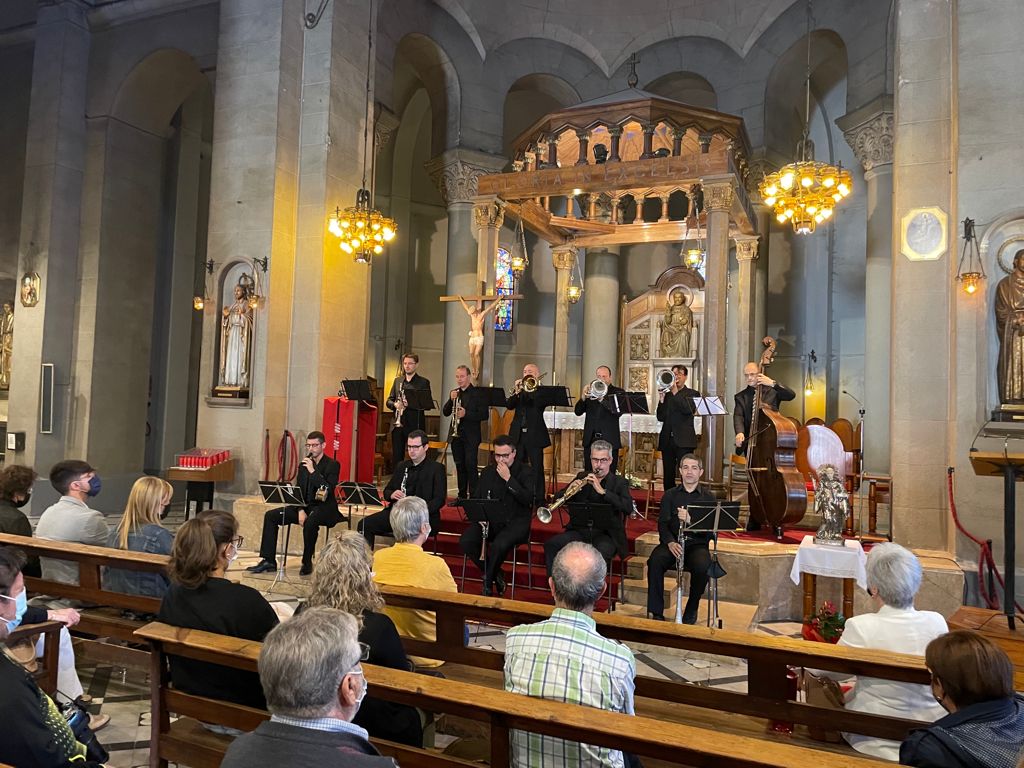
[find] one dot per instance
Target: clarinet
(405, 478)
(681, 540)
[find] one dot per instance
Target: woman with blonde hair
(343, 579)
(140, 531)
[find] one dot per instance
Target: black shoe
(487, 591)
(306, 569)
(499, 583)
(690, 617)
(656, 616)
(263, 566)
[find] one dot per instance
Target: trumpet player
(406, 419)
(667, 555)
(467, 411)
(603, 487)
(601, 423)
(413, 477)
(511, 482)
(675, 412)
(528, 429)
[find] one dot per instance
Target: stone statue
(832, 503)
(6, 344)
(236, 340)
(1010, 327)
(477, 315)
(676, 327)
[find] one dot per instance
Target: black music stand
(712, 518)
(359, 495)
(485, 512)
(287, 495)
(548, 396)
(419, 400)
(493, 397)
(358, 390)
(588, 517)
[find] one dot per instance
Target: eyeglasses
(503, 455)
(364, 652)
(606, 460)
(238, 541)
(410, 446)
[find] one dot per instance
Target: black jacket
(517, 493)
(14, 522)
(324, 475)
(426, 480)
(528, 428)
(476, 412)
(668, 517)
(276, 744)
(616, 495)
(989, 734)
(600, 423)
(411, 419)
(743, 405)
(676, 414)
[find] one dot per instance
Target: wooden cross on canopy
(477, 316)
(633, 60)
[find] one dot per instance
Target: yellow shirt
(407, 565)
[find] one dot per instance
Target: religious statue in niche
(1009, 309)
(6, 344)
(30, 289)
(676, 327)
(477, 315)
(832, 503)
(236, 342)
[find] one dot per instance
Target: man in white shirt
(70, 519)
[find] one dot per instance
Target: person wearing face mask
(15, 491)
(200, 597)
(313, 681)
(140, 531)
(71, 519)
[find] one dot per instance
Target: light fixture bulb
(808, 390)
(254, 301)
(573, 293)
(786, 182)
(198, 302)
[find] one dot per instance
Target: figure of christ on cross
(477, 314)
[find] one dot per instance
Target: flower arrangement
(824, 625)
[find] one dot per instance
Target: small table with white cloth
(846, 563)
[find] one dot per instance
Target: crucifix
(633, 60)
(478, 312)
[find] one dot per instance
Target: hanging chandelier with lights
(806, 192)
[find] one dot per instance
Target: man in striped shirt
(565, 659)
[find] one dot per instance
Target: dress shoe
(306, 569)
(689, 617)
(499, 583)
(656, 616)
(263, 566)
(97, 722)
(487, 591)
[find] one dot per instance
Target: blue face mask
(20, 606)
(95, 485)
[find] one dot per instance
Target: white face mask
(231, 554)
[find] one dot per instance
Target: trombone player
(528, 429)
(602, 486)
(467, 411)
(600, 422)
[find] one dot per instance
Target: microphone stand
(863, 463)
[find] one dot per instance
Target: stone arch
(155, 88)
(432, 68)
(528, 99)
(687, 87)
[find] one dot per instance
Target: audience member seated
(407, 565)
(972, 678)
(34, 732)
(200, 597)
(140, 531)
(15, 491)
(343, 579)
(565, 659)
(314, 684)
(70, 519)
(894, 576)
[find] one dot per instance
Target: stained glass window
(504, 283)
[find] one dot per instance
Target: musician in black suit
(415, 476)
(412, 418)
(675, 412)
(511, 482)
(466, 444)
(318, 476)
(772, 393)
(528, 429)
(600, 422)
(603, 487)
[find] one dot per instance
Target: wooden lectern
(1009, 466)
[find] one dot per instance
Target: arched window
(504, 283)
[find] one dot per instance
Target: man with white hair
(313, 682)
(565, 659)
(407, 565)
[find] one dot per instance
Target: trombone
(544, 513)
(526, 384)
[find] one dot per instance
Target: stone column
(455, 172)
(564, 258)
(52, 205)
(746, 256)
(719, 193)
(871, 138)
(488, 217)
(601, 311)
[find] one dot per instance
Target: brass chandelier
(805, 192)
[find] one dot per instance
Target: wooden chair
(652, 479)
(737, 474)
(814, 420)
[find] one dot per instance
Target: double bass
(778, 495)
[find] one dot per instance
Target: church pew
(501, 711)
(768, 658)
(46, 675)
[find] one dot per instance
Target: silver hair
(407, 518)
(895, 572)
(578, 575)
(601, 445)
(304, 660)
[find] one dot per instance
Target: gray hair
(304, 660)
(602, 445)
(407, 518)
(895, 572)
(577, 576)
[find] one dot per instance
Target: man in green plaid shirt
(565, 659)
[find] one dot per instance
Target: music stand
(358, 495)
(485, 512)
(629, 403)
(287, 495)
(595, 516)
(712, 518)
(419, 400)
(358, 391)
(709, 406)
(548, 396)
(493, 397)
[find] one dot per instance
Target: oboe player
(665, 556)
(413, 477)
(465, 443)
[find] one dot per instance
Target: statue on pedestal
(676, 327)
(832, 503)
(6, 344)
(1009, 307)
(236, 339)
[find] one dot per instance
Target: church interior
(218, 217)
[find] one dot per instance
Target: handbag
(823, 691)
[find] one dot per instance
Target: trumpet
(544, 513)
(526, 384)
(401, 401)
(665, 380)
(597, 389)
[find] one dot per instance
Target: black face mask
(165, 511)
(22, 503)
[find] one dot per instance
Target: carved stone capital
(563, 256)
(719, 195)
(489, 215)
(456, 172)
(384, 127)
(746, 248)
(872, 141)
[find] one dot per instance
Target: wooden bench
(46, 675)
(501, 711)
